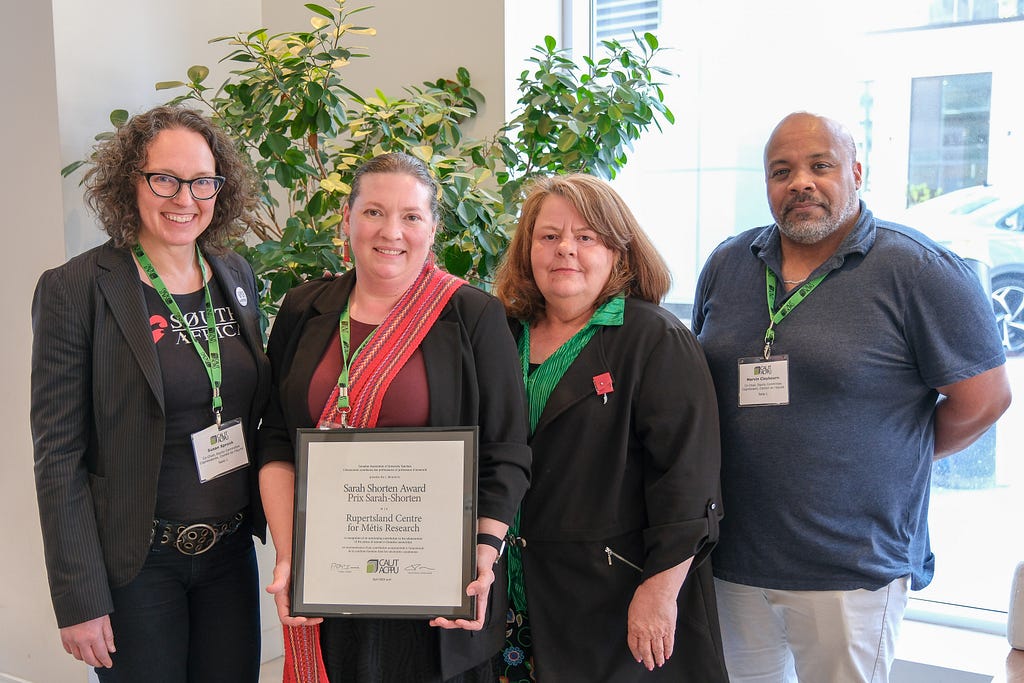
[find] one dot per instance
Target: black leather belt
(194, 538)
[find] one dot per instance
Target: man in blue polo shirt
(847, 353)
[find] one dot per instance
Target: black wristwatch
(493, 541)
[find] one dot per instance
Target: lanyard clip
(769, 338)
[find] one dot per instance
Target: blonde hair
(639, 270)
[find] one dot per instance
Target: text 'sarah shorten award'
(385, 522)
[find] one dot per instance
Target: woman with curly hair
(148, 380)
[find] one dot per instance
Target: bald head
(808, 121)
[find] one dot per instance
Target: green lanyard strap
(344, 335)
(776, 317)
(211, 360)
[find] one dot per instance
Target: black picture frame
(385, 522)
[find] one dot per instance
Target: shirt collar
(767, 245)
(610, 313)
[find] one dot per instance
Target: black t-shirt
(188, 404)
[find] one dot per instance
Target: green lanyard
(771, 285)
(211, 360)
(344, 334)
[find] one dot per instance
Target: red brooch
(603, 385)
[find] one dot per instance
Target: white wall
(33, 234)
(110, 54)
(417, 42)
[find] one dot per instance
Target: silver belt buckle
(195, 539)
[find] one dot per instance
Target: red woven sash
(393, 343)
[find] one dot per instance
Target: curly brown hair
(111, 181)
(639, 270)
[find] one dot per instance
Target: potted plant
(287, 105)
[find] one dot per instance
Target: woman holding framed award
(443, 356)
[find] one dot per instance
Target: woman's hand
(90, 642)
(651, 620)
(279, 589)
(486, 556)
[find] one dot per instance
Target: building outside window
(949, 134)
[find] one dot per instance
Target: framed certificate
(385, 522)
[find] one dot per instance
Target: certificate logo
(380, 566)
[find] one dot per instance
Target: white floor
(272, 671)
(926, 654)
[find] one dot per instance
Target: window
(617, 19)
(923, 114)
(949, 11)
(949, 133)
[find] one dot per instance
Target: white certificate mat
(385, 522)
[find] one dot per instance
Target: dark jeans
(189, 619)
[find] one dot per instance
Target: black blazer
(636, 474)
(98, 420)
(474, 379)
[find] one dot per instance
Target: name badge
(220, 450)
(764, 382)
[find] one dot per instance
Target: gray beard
(812, 232)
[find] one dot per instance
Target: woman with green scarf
(609, 577)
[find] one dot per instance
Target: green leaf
(456, 261)
(168, 85)
(280, 283)
(490, 242)
(198, 73)
(422, 152)
(316, 204)
(324, 124)
(322, 11)
(566, 141)
(71, 168)
(119, 117)
(278, 113)
(277, 143)
(294, 157)
(651, 40)
(549, 43)
(283, 175)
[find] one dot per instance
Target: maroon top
(407, 400)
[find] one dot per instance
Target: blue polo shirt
(830, 492)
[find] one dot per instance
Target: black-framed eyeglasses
(167, 186)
